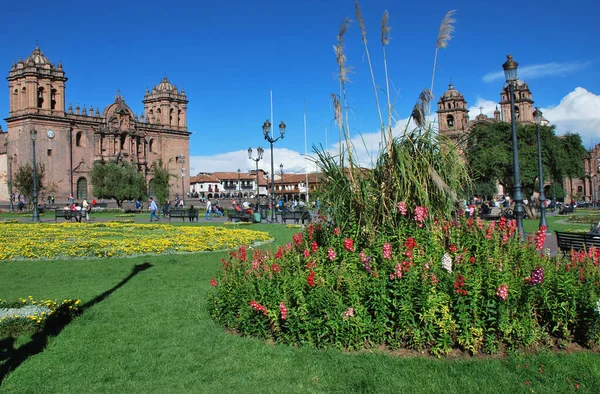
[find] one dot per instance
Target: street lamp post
(260, 152)
(266, 131)
(36, 214)
(510, 72)
(537, 114)
(281, 179)
(239, 188)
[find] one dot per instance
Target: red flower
(306, 253)
(410, 243)
(540, 238)
(336, 231)
(275, 267)
(452, 248)
(279, 253)
(283, 310)
(213, 282)
(459, 283)
(311, 279)
(349, 245)
(258, 307)
(314, 247)
(242, 253)
(297, 239)
(331, 254)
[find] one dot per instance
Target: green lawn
(152, 333)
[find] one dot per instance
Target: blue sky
(229, 55)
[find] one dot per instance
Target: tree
(159, 185)
(23, 180)
(119, 181)
(490, 156)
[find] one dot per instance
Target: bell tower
(36, 86)
(166, 106)
(523, 104)
(453, 114)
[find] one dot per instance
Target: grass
(153, 334)
(558, 223)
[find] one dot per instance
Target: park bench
(296, 216)
(67, 214)
(566, 209)
(101, 205)
(576, 241)
(237, 216)
(183, 214)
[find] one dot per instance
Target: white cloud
(539, 70)
(487, 108)
(578, 112)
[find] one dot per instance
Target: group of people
(215, 208)
(81, 211)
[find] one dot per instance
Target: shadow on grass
(11, 358)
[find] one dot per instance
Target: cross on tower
(481, 110)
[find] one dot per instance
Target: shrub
(464, 284)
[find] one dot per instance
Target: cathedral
(68, 142)
(453, 115)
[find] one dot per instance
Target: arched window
(178, 117)
(78, 139)
(40, 97)
(24, 98)
(171, 111)
(82, 188)
(151, 145)
(150, 115)
(450, 120)
(158, 113)
(53, 99)
(123, 137)
(579, 189)
(517, 114)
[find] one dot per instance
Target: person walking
(208, 210)
(153, 209)
(85, 210)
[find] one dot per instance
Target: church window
(151, 145)
(53, 99)
(449, 105)
(123, 137)
(40, 97)
(78, 139)
(178, 117)
(171, 111)
(49, 152)
(517, 114)
(450, 120)
(579, 189)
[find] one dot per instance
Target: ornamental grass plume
(444, 36)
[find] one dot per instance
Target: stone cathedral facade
(69, 141)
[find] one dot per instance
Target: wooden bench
(577, 241)
(296, 216)
(566, 210)
(67, 214)
(183, 214)
(238, 216)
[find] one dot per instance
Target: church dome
(165, 86)
(452, 93)
(37, 57)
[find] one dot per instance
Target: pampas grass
(444, 36)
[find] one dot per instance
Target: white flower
(598, 307)
(447, 262)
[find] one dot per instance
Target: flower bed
(27, 315)
(113, 239)
(433, 286)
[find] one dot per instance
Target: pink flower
(363, 256)
(387, 251)
(258, 307)
(502, 292)
(283, 310)
(213, 282)
(402, 208)
(297, 239)
(331, 254)
(420, 215)
(349, 245)
(306, 253)
(349, 313)
(336, 231)
(540, 238)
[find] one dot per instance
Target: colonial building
(67, 141)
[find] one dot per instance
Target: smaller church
(68, 141)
